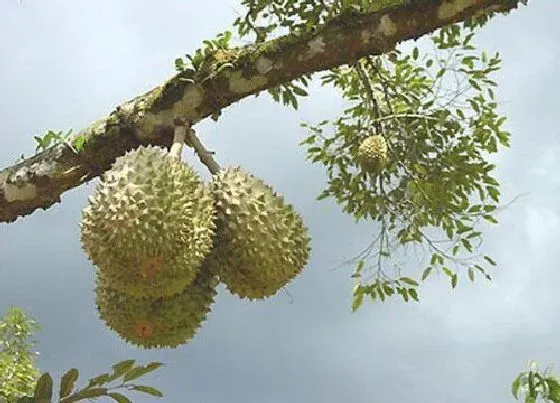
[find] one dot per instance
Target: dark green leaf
(139, 371)
(119, 398)
(426, 272)
(494, 193)
(299, 91)
(147, 389)
(466, 243)
(99, 380)
(85, 394)
(44, 388)
(434, 259)
(408, 281)
(67, 382)
(119, 369)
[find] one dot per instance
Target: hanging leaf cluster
(439, 117)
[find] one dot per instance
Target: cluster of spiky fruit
(162, 240)
(372, 153)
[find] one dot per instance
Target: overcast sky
(64, 64)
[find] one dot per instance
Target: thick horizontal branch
(38, 182)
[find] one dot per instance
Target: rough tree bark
(38, 181)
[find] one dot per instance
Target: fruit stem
(179, 134)
(204, 155)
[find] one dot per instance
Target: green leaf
(466, 243)
(357, 302)
(426, 272)
(99, 380)
(147, 389)
(119, 369)
(515, 386)
(360, 266)
(490, 260)
(119, 398)
(434, 259)
(67, 382)
(79, 143)
(454, 281)
(300, 91)
(308, 140)
(553, 389)
(123, 366)
(471, 274)
(85, 394)
(140, 371)
(494, 193)
(408, 281)
(44, 387)
(415, 53)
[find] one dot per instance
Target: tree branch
(38, 182)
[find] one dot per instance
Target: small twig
(204, 155)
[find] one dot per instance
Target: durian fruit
(261, 243)
(149, 224)
(372, 153)
(165, 322)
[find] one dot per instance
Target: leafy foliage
(534, 384)
(18, 372)
(97, 387)
(264, 19)
(51, 137)
(207, 62)
(438, 115)
(21, 381)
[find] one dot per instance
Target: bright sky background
(64, 64)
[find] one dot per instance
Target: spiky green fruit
(372, 153)
(261, 242)
(165, 322)
(149, 224)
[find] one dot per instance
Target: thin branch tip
(205, 156)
